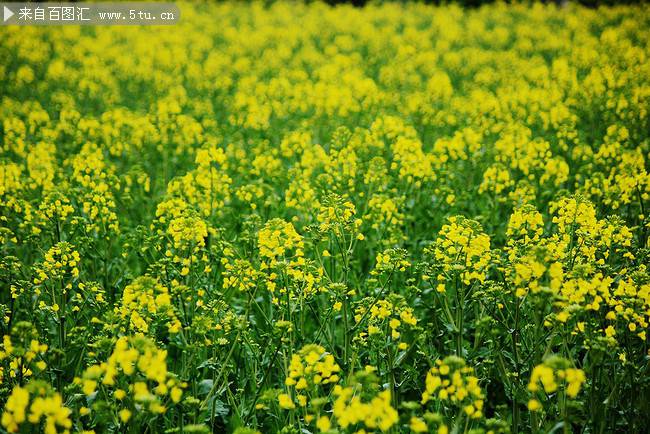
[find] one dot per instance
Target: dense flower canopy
(301, 218)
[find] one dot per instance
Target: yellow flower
(46, 406)
(176, 394)
(575, 378)
(418, 425)
(15, 407)
(285, 401)
(554, 373)
(544, 374)
(125, 415)
(563, 316)
(89, 386)
(534, 405)
(323, 424)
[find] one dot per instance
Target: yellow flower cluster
(496, 179)
(337, 215)
(452, 381)
(309, 368)
(287, 272)
(206, 188)
(135, 374)
(356, 404)
(54, 208)
(525, 226)
(374, 411)
(97, 180)
(239, 274)
(622, 176)
(60, 261)
(580, 233)
(386, 318)
(23, 354)
(189, 234)
(463, 248)
(531, 268)
(391, 260)
(554, 374)
(145, 300)
(33, 403)
(278, 240)
(187, 231)
(386, 217)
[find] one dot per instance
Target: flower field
(300, 218)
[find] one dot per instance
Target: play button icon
(7, 13)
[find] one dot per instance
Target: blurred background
(474, 3)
